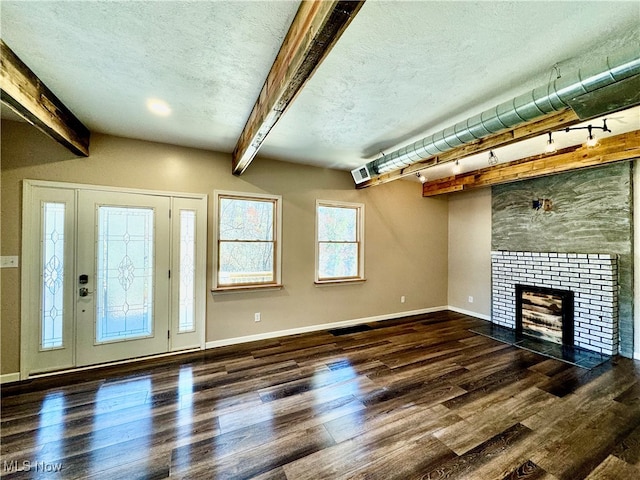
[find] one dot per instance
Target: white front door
(109, 275)
(123, 255)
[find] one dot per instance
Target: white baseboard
(9, 377)
(636, 355)
(323, 326)
(470, 313)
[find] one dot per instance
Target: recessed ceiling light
(159, 107)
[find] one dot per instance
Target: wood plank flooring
(414, 398)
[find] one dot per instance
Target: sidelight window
(52, 274)
(186, 320)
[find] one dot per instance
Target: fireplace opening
(545, 314)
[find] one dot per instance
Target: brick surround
(592, 277)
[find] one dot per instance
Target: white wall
(470, 252)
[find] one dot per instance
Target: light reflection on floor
(52, 427)
(185, 412)
(347, 384)
(131, 394)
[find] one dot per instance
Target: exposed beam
(23, 91)
(618, 148)
(316, 28)
(550, 122)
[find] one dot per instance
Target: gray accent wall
(592, 213)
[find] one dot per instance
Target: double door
(109, 275)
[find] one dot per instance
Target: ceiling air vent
(360, 174)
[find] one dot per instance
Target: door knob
(85, 292)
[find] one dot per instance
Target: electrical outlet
(402, 299)
(470, 299)
(257, 317)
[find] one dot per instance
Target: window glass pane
(186, 321)
(242, 219)
(124, 283)
(52, 276)
(337, 224)
(245, 263)
(336, 260)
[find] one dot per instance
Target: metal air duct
(568, 91)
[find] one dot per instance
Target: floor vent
(349, 330)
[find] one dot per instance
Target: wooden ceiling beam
(550, 122)
(316, 28)
(625, 146)
(30, 98)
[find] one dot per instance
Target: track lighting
(551, 145)
(456, 168)
(493, 159)
(421, 177)
(592, 140)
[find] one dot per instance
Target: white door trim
(107, 188)
(28, 269)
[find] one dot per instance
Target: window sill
(247, 288)
(333, 283)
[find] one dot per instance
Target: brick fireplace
(591, 277)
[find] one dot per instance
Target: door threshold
(140, 361)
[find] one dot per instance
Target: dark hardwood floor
(414, 398)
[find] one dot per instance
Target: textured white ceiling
(400, 71)
(207, 60)
(406, 69)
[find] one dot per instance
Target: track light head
(592, 141)
(551, 145)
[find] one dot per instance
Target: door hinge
(168, 334)
(169, 213)
(169, 273)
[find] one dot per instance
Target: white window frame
(277, 241)
(359, 207)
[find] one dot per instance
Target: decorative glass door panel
(124, 251)
(53, 272)
(186, 317)
(124, 287)
(48, 294)
(189, 233)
